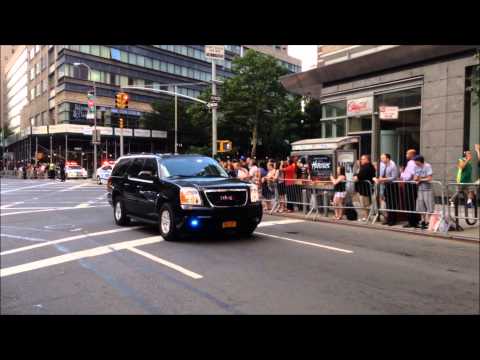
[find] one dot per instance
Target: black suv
(182, 194)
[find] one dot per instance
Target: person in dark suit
(62, 171)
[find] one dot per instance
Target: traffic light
(121, 123)
(121, 100)
(224, 145)
(118, 100)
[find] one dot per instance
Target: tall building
(60, 76)
(281, 53)
(427, 86)
(6, 52)
(330, 54)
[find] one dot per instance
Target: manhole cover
(60, 226)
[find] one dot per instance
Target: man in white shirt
(252, 172)
(388, 174)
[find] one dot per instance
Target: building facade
(438, 115)
(331, 54)
(6, 52)
(54, 121)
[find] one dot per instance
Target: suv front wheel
(119, 213)
(166, 223)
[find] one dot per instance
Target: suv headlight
(190, 196)
(254, 197)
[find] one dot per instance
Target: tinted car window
(121, 167)
(192, 167)
(135, 167)
(150, 165)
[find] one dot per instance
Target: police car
(75, 171)
(104, 172)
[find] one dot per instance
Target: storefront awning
(310, 83)
(323, 144)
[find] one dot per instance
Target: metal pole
(94, 127)
(214, 111)
(51, 150)
(176, 121)
(66, 148)
(121, 141)
(36, 150)
(115, 146)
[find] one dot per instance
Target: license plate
(229, 224)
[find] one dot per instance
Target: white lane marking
(24, 187)
(21, 237)
(11, 204)
(169, 264)
(52, 209)
(74, 187)
(70, 238)
(77, 255)
(306, 243)
(280, 222)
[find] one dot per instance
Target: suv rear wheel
(247, 230)
(166, 223)
(119, 212)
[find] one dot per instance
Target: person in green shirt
(464, 173)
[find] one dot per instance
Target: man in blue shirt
(388, 174)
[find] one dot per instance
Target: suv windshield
(192, 167)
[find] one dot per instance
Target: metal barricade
(463, 206)
(414, 200)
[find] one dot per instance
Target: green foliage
(5, 131)
(255, 111)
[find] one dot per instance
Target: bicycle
(470, 220)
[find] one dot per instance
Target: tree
(254, 108)
(162, 117)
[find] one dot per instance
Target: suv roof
(158, 155)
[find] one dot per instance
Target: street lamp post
(94, 118)
(214, 110)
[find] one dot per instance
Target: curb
(373, 227)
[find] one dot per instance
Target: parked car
(104, 172)
(73, 171)
(182, 194)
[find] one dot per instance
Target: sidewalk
(470, 233)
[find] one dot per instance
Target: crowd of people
(40, 170)
(404, 189)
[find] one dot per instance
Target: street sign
(211, 105)
(215, 52)
(77, 148)
(214, 98)
(90, 103)
(90, 116)
(388, 112)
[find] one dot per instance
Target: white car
(103, 173)
(73, 171)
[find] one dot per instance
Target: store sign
(39, 130)
(215, 52)
(142, 133)
(321, 165)
(124, 132)
(388, 112)
(159, 134)
(79, 112)
(313, 146)
(360, 106)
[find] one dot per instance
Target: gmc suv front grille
(227, 197)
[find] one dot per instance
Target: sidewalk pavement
(470, 233)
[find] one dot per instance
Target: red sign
(360, 106)
(90, 103)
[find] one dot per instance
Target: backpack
(351, 214)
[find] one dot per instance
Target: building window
(85, 49)
(37, 120)
(44, 118)
(37, 68)
(171, 68)
(44, 86)
(94, 75)
(95, 50)
(123, 56)
(139, 82)
(123, 80)
(148, 63)
(74, 47)
(32, 73)
(37, 48)
(38, 90)
(105, 52)
(32, 93)
(132, 59)
(32, 53)
(163, 66)
(156, 64)
(140, 60)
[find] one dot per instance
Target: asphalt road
(61, 253)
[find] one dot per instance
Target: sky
(306, 53)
